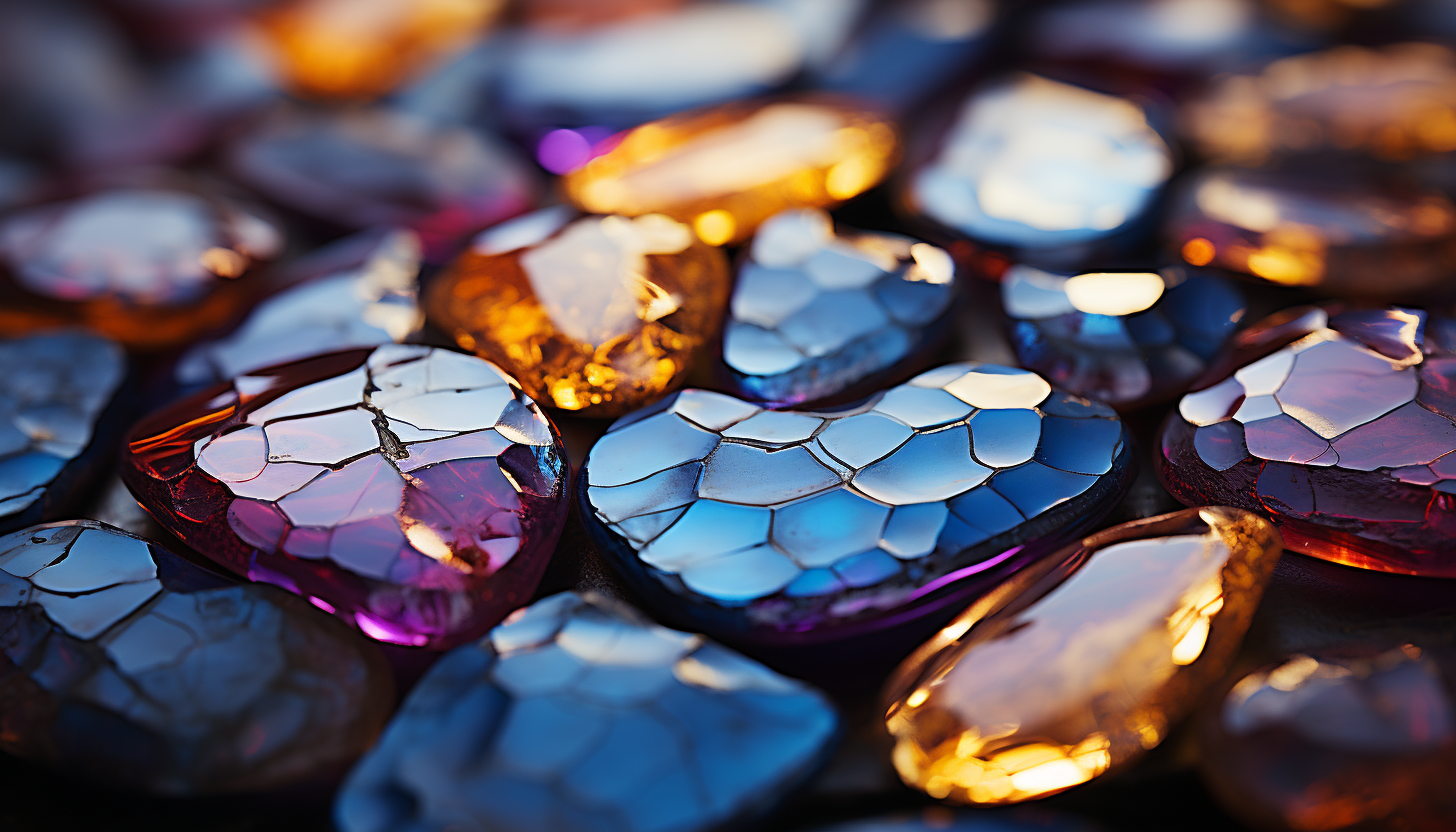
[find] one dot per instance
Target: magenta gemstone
(1339, 426)
(415, 492)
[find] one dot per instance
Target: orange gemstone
(1077, 667)
(365, 48)
(726, 169)
(597, 314)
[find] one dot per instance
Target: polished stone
(783, 527)
(54, 389)
(417, 493)
(601, 315)
(1339, 426)
(1126, 338)
(580, 714)
(725, 170)
(1361, 738)
(1078, 667)
(816, 311)
(122, 662)
(149, 267)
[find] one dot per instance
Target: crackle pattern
(578, 713)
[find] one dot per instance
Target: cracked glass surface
(578, 713)
(122, 661)
(416, 492)
(53, 392)
(802, 520)
(815, 311)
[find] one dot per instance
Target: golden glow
(1198, 252)
(998, 392)
(223, 262)
(932, 264)
(1114, 293)
(429, 543)
(918, 698)
(715, 227)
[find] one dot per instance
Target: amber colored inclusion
(1077, 667)
(726, 169)
(597, 314)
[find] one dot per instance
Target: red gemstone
(415, 492)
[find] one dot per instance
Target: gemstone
(579, 713)
(782, 527)
(122, 661)
(1347, 235)
(353, 49)
(1393, 103)
(1122, 337)
(58, 397)
(359, 292)
(940, 819)
(1041, 166)
(1360, 738)
(1077, 667)
(376, 167)
(149, 267)
(415, 492)
(596, 314)
(817, 312)
(1339, 427)
(726, 169)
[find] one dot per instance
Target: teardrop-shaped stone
(415, 492)
(726, 169)
(578, 713)
(123, 662)
(783, 527)
(1338, 427)
(597, 314)
(818, 312)
(1078, 666)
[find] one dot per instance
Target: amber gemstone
(1362, 738)
(597, 314)
(365, 48)
(1075, 668)
(727, 169)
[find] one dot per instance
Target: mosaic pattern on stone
(578, 713)
(53, 391)
(804, 526)
(1342, 432)
(1125, 338)
(124, 662)
(415, 492)
(815, 312)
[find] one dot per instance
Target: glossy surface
(595, 314)
(726, 169)
(578, 713)
(122, 662)
(415, 492)
(53, 392)
(1360, 739)
(149, 267)
(816, 312)
(1125, 338)
(792, 527)
(1058, 678)
(1159, 36)
(1341, 433)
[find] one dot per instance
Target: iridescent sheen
(792, 527)
(816, 313)
(125, 663)
(578, 713)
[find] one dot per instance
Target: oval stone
(818, 312)
(58, 421)
(123, 662)
(415, 492)
(1080, 665)
(601, 315)
(1338, 427)
(1126, 338)
(578, 713)
(783, 527)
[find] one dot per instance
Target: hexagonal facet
(1080, 665)
(416, 492)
